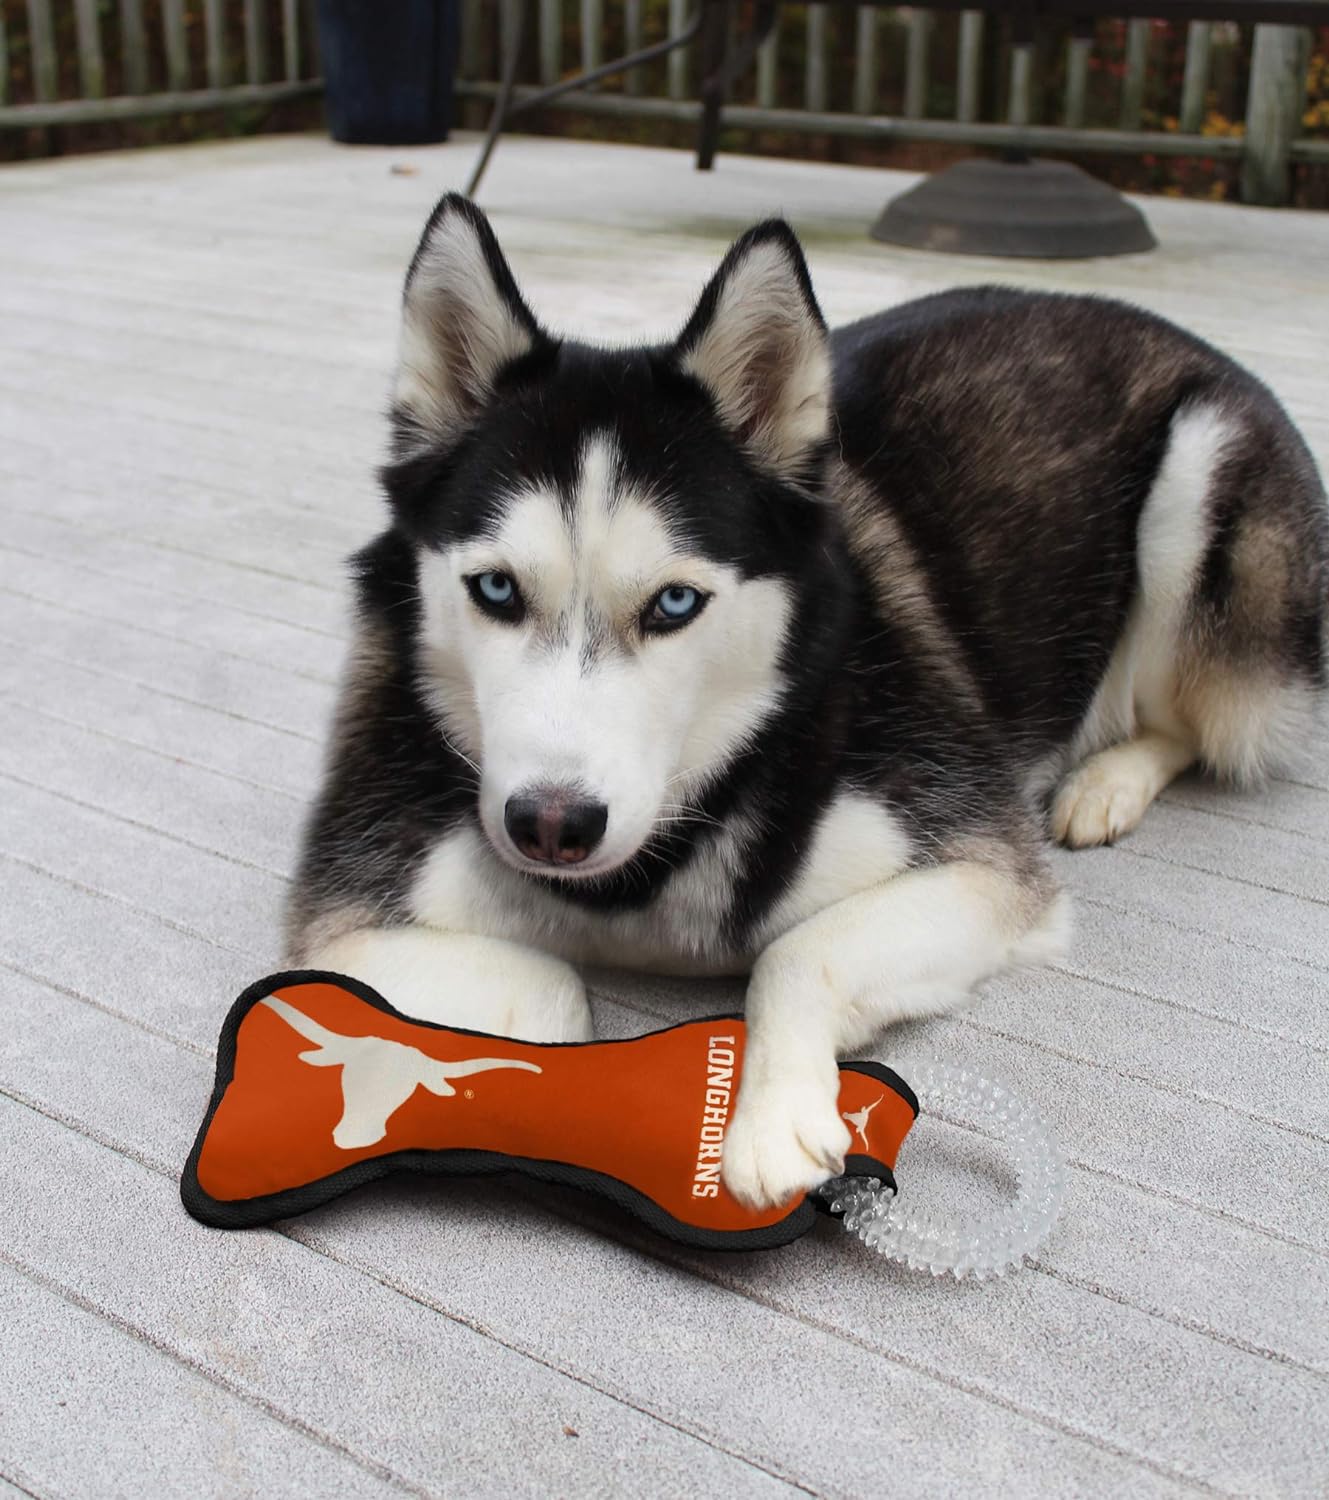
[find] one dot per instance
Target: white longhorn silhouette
(378, 1076)
(859, 1118)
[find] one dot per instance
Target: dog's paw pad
(781, 1144)
(1097, 805)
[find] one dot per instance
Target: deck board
(199, 341)
(298, 1332)
(72, 1382)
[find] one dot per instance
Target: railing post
(916, 59)
(256, 42)
(551, 40)
(677, 64)
(814, 71)
(1195, 82)
(511, 23)
(1138, 35)
(1273, 112)
(634, 39)
(969, 68)
(91, 66)
(1019, 107)
(865, 60)
(768, 67)
(290, 40)
(41, 45)
(133, 47)
(592, 34)
(1079, 50)
(214, 50)
(176, 47)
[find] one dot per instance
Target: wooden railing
(831, 98)
(89, 61)
(85, 67)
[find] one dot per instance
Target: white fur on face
(574, 694)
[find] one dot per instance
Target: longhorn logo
(378, 1076)
(859, 1119)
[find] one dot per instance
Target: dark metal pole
(515, 15)
(504, 108)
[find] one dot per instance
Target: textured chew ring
(932, 1240)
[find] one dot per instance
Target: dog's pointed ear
(463, 323)
(757, 342)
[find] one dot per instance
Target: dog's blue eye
(496, 587)
(678, 602)
(496, 593)
(675, 605)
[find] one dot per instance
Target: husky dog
(781, 651)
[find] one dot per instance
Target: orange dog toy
(322, 1086)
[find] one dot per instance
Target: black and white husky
(782, 651)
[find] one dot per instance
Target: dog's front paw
(559, 1013)
(1098, 803)
(783, 1140)
(518, 993)
(457, 979)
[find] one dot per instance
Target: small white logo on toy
(859, 1119)
(378, 1076)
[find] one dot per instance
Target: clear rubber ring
(928, 1240)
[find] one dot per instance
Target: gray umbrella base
(1045, 210)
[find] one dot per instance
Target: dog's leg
(914, 946)
(456, 979)
(1108, 794)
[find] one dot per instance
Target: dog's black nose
(553, 827)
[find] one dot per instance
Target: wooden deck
(197, 345)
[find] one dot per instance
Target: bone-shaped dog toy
(322, 1086)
